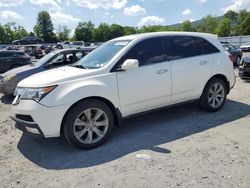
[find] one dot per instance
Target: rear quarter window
(207, 47)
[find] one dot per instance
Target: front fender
(69, 93)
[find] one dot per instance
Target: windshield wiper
(79, 66)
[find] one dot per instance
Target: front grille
(247, 65)
(24, 117)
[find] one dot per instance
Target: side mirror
(130, 64)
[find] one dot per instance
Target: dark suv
(11, 59)
(28, 40)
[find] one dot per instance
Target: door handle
(203, 62)
(162, 71)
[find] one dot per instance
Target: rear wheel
(88, 124)
(214, 95)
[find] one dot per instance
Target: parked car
(10, 59)
(42, 50)
(28, 40)
(244, 69)
(123, 77)
(12, 48)
(55, 59)
(77, 44)
(235, 52)
(245, 47)
(63, 45)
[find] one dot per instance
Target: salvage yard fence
(236, 40)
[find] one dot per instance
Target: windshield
(102, 55)
(44, 59)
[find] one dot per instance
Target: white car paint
(131, 91)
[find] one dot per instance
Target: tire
(59, 47)
(81, 127)
(214, 95)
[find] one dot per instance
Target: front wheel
(214, 95)
(88, 124)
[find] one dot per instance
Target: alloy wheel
(91, 125)
(216, 95)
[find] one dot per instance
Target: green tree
(9, 32)
(153, 28)
(245, 25)
(186, 26)
(208, 24)
(130, 30)
(223, 29)
(232, 16)
(63, 33)
(20, 32)
(102, 33)
(44, 27)
(116, 31)
(84, 31)
(2, 34)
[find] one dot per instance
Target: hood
(246, 59)
(19, 70)
(56, 76)
(245, 46)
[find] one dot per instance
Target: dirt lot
(176, 147)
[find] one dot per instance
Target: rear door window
(183, 47)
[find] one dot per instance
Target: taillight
(231, 57)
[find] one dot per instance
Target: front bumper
(244, 73)
(47, 120)
(8, 87)
(23, 125)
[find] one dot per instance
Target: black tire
(206, 95)
(59, 47)
(74, 113)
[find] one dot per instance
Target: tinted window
(149, 51)
(206, 46)
(183, 47)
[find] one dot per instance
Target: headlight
(33, 93)
(8, 78)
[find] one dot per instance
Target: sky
(135, 13)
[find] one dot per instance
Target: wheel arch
(116, 111)
(223, 78)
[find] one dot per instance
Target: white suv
(124, 76)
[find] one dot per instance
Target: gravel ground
(176, 147)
